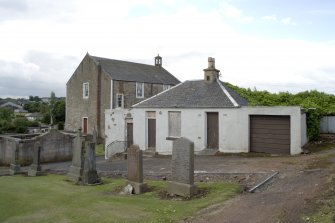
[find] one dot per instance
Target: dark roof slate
(129, 71)
(193, 94)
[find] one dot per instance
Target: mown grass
(52, 199)
(315, 147)
(99, 150)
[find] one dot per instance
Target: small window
(166, 87)
(119, 100)
(139, 90)
(86, 90)
(174, 124)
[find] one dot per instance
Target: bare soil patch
(301, 186)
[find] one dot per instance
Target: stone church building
(100, 83)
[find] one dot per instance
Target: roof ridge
(227, 93)
(104, 58)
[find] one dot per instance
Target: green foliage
(59, 111)
(21, 124)
(34, 98)
(6, 116)
(33, 106)
(317, 104)
(53, 112)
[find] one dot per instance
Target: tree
(6, 116)
(21, 124)
(52, 103)
(59, 111)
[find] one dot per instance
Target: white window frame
(138, 84)
(86, 96)
(174, 127)
(117, 101)
(166, 87)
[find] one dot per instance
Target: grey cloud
(34, 9)
(48, 73)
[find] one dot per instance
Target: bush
(21, 125)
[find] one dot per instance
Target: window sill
(172, 138)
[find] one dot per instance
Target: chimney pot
(211, 73)
(211, 62)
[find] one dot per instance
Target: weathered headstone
(182, 166)
(94, 135)
(90, 175)
(76, 168)
(135, 169)
(15, 167)
(35, 168)
(83, 168)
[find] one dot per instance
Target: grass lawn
(99, 150)
(52, 199)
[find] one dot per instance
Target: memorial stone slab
(76, 168)
(135, 169)
(15, 167)
(182, 168)
(90, 175)
(35, 168)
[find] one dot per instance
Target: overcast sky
(274, 45)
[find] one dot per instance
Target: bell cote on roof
(158, 61)
(211, 74)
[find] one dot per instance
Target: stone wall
(78, 107)
(128, 89)
(56, 146)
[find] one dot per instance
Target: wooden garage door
(270, 134)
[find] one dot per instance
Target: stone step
(206, 152)
(149, 153)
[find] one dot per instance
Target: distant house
(45, 99)
(34, 116)
(13, 106)
(216, 118)
(100, 83)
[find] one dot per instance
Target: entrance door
(151, 130)
(212, 130)
(85, 126)
(129, 134)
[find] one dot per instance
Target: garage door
(270, 134)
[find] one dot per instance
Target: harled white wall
(233, 127)
(115, 125)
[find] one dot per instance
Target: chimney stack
(210, 73)
(158, 61)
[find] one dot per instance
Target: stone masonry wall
(128, 89)
(56, 146)
(77, 107)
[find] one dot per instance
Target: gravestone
(83, 167)
(90, 175)
(182, 166)
(135, 169)
(35, 168)
(15, 167)
(76, 168)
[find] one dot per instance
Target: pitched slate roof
(129, 71)
(195, 94)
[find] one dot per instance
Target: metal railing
(116, 147)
